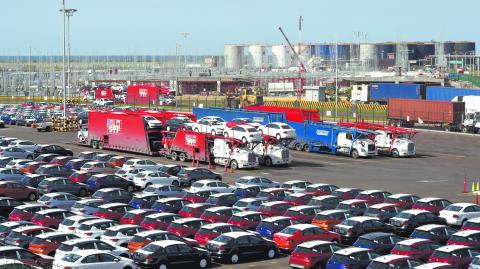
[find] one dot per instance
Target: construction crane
(301, 68)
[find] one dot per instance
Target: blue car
(351, 258)
(100, 181)
(247, 191)
(61, 200)
(169, 205)
(269, 226)
(381, 243)
(144, 200)
(75, 164)
(435, 232)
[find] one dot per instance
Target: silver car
(18, 153)
(256, 181)
(475, 264)
(10, 174)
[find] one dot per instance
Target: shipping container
(229, 114)
(292, 114)
(381, 92)
(407, 112)
(105, 93)
(448, 93)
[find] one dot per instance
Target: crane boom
(293, 50)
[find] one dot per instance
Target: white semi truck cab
(238, 157)
(359, 146)
(396, 145)
(272, 154)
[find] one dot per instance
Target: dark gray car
(53, 170)
(188, 175)
(59, 184)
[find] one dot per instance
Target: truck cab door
(344, 140)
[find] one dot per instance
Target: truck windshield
(361, 136)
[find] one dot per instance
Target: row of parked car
(163, 225)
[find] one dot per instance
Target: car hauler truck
(232, 113)
(389, 140)
(334, 139)
(121, 131)
(185, 145)
(271, 152)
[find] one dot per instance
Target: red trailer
(407, 112)
(122, 131)
(164, 115)
(105, 93)
(293, 114)
(143, 94)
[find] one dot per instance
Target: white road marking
(433, 181)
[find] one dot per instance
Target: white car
(246, 121)
(8, 263)
(153, 123)
(71, 223)
(94, 229)
(208, 127)
(17, 163)
(212, 185)
(120, 235)
(141, 164)
(458, 213)
(279, 130)
(147, 178)
(215, 118)
(93, 259)
(296, 185)
(128, 173)
(103, 102)
(84, 243)
(245, 133)
(23, 144)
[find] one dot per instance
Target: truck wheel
(234, 164)
(306, 147)
(395, 153)
(182, 157)
(298, 147)
(196, 130)
(355, 154)
(244, 139)
(465, 129)
(174, 156)
(94, 145)
(278, 136)
(213, 132)
(100, 145)
(268, 161)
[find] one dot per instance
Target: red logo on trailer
(103, 93)
(143, 92)
(114, 126)
(191, 140)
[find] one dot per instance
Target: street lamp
(69, 13)
(63, 63)
(185, 35)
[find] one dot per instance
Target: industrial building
(367, 56)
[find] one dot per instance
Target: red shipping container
(426, 111)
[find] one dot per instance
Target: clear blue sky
(153, 26)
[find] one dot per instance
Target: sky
(154, 27)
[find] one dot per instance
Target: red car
(136, 216)
(242, 121)
(187, 227)
(193, 210)
(200, 196)
(217, 214)
(472, 224)
(51, 217)
(319, 189)
(80, 176)
(302, 213)
(25, 212)
(61, 160)
(297, 198)
(469, 238)
(159, 221)
(455, 255)
(18, 191)
(113, 211)
(118, 161)
(432, 204)
(402, 200)
(419, 249)
(275, 208)
(346, 193)
(211, 231)
(289, 238)
(312, 254)
(373, 196)
(247, 220)
(30, 167)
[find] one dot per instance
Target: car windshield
(223, 239)
(151, 248)
(44, 198)
(197, 185)
(252, 130)
(241, 204)
(71, 257)
(242, 180)
(403, 215)
(453, 208)
(470, 224)
(349, 222)
(289, 230)
(373, 211)
(121, 172)
(456, 238)
(402, 247)
(285, 126)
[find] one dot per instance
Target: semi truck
(334, 139)
(389, 140)
(471, 123)
(271, 152)
(187, 145)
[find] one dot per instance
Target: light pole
(63, 63)
(185, 35)
(69, 13)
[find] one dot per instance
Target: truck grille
(285, 155)
(411, 147)
(251, 157)
(371, 147)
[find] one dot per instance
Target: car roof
(7, 261)
(298, 194)
(216, 225)
(429, 227)
(185, 220)
(332, 211)
(390, 257)
(323, 197)
(221, 194)
(374, 235)
(166, 243)
(29, 227)
(351, 250)
(314, 243)
(412, 241)
(381, 205)
(302, 207)
(55, 194)
(51, 210)
(246, 213)
(352, 201)
(462, 204)
(276, 218)
(432, 265)
(161, 214)
(218, 208)
(302, 226)
(95, 221)
(140, 211)
(295, 181)
(4, 248)
(151, 232)
(112, 205)
(109, 189)
(346, 189)
(236, 234)
(368, 192)
(429, 199)
(91, 200)
(169, 199)
(249, 200)
(54, 233)
(87, 252)
(466, 233)
(450, 248)
(205, 181)
(474, 220)
(272, 203)
(362, 218)
(415, 211)
(26, 206)
(247, 177)
(197, 205)
(122, 226)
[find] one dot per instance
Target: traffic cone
(225, 168)
(231, 168)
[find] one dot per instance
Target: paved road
(438, 170)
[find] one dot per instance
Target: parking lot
(438, 170)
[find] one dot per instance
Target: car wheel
(225, 135)
(174, 156)
(203, 263)
(268, 161)
(278, 136)
(162, 266)
(148, 185)
(213, 132)
(130, 188)
(395, 153)
(234, 164)
(175, 183)
(306, 148)
(244, 139)
(32, 196)
(30, 157)
(168, 128)
(355, 154)
(234, 258)
(126, 267)
(182, 157)
(100, 145)
(82, 193)
(298, 147)
(271, 253)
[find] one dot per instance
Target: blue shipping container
(230, 114)
(384, 91)
(448, 93)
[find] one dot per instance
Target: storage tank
(354, 52)
(233, 57)
(256, 56)
(368, 55)
(343, 52)
(281, 56)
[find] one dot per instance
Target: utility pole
(185, 35)
(29, 70)
(69, 13)
(63, 64)
(336, 80)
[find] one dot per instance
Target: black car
(52, 149)
(325, 202)
(189, 175)
(406, 221)
(113, 195)
(171, 253)
(354, 207)
(351, 228)
(381, 243)
(435, 232)
(53, 170)
(171, 169)
(6, 205)
(87, 155)
(100, 181)
(173, 124)
(144, 200)
(45, 158)
(235, 246)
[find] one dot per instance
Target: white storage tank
(368, 55)
(233, 55)
(256, 56)
(281, 56)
